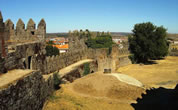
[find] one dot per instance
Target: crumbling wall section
(77, 51)
(25, 56)
(3, 45)
(117, 58)
(77, 72)
(173, 50)
(28, 93)
(55, 63)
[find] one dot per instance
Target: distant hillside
(120, 33)
(56, 34)
(66, 34)
(173, 36)
(115, 34)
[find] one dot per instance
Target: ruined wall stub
(1, 32)
(3, 46)
(2, 38)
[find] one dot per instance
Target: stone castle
(18, 46)
(20, 34)
(173, 50)
(23, 50)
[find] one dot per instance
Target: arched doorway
(29, 62)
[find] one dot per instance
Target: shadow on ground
(151, 62)
(158, 99)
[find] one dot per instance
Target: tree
(50, 50)
(57, 80)
(86, 69)
(103, 41)
(148, 42)
(50, 43)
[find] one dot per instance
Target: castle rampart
(20, 34)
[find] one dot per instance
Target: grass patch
(53, 97)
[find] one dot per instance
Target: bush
(132, 58)
(103, 41)
(86, 69)
(50, 43)
(109, 50)
(2, 67)
(57, 80)
(148, 42)
(50, 50)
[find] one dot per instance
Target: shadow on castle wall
(158, 99)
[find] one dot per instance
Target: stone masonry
(20, 34)
(27, 93)
(20, 47)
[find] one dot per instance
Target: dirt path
(69, 68)
(127, 79)
(96, 91)
(106, 92)
(162, 74)
(12, 76)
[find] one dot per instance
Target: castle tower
(2, 38)
(1, 18)
(41, 31)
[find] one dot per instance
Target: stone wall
(3, 46)
(63, 60)
(28, 93)
(77, 51)
(78, 72)
(123, 61)
(117, 58)
(173, 50)
(23, 56)
(54, 63)
(20, 34)
(1, 33)
(19, 47)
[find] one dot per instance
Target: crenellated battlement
(19, 44)
(28, 34)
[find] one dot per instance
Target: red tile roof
(66, 46)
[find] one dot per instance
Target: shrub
(57, 80)
(86, 69)
(50, 50)
(132, 58)
(148, 42)
(109, 50)
(103, 41)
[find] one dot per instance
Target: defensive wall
(29, 89)
(29, 92)
(22, 48)
(22, 34)
(173, 50)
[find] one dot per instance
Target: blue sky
(95, 15)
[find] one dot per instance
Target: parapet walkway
(12, 76)
(72, 67)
